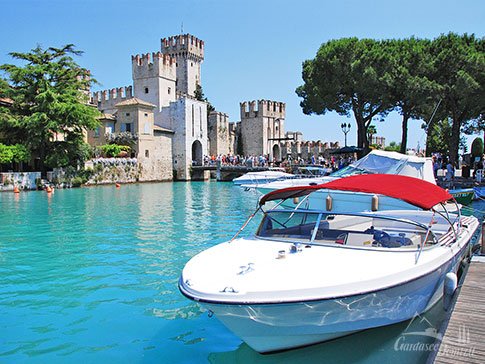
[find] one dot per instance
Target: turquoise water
(90, 276)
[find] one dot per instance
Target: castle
(173, 130)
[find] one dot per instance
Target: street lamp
(345, 128)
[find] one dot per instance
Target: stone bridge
(223, 173)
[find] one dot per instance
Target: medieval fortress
(173, 128)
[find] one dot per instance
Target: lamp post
(345, 128)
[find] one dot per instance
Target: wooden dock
(463, 338)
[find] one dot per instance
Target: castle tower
(189, 53)
(154, 80)
(262, 128)
(219, 134)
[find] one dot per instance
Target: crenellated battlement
(262, 108)
(113, 95)
(154, 58)
(184, 44)
(154, 65)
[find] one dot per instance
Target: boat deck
(463, 341)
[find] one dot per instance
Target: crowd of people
(444, 163)
(333, 163)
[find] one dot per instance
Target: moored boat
(463, 196)
(376, 162)
(262, 177)
(312, 275)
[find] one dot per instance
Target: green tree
(347, 76)
(410, 87)
(6, 154)
(49, 93)
(459, 70)
(199, 95)
(17, 153)
(439, 137)
(393, 147)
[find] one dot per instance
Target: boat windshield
(350, 171)
(387, 164)
(353, 230)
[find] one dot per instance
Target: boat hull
(279, 326)
(463, 196)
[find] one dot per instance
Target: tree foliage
(14, 153)
(369, 78)
(458, 67)
(347, 76)
(199, 95)
(49, 103)
(409, 86)
(393, 147)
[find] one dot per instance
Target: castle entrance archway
(196, 153)
(277, 152)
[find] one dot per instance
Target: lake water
(90, 276)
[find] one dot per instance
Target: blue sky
(253, 49)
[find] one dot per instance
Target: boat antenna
(432, 116)
(434, 112)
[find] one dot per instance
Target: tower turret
(154, 79)
(189, 53)
(262, 127)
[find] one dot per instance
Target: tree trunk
(404, 137)
(42, 155)
(361, 136)
(455, 140)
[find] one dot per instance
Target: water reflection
(91, 275)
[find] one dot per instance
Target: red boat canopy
(415, 191)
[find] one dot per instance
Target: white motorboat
(262, 177)
(309, 276)
(377, 161)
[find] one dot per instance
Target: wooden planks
(464, 339)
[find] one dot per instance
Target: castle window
(110, 128)
(127, 114)
(146, 90)
(146, 114)
(147, 153)
(127, 127)
(169, 90)
(191, 64)
(147, 129)
(96, 132)
(193, 127)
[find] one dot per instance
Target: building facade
(173, 130)
(167, 80)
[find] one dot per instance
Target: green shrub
(111, 150)
(77, 181)
(6, 154)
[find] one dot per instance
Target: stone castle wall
(107, 99)
(219, 134)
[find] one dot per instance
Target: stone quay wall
(22, 180)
